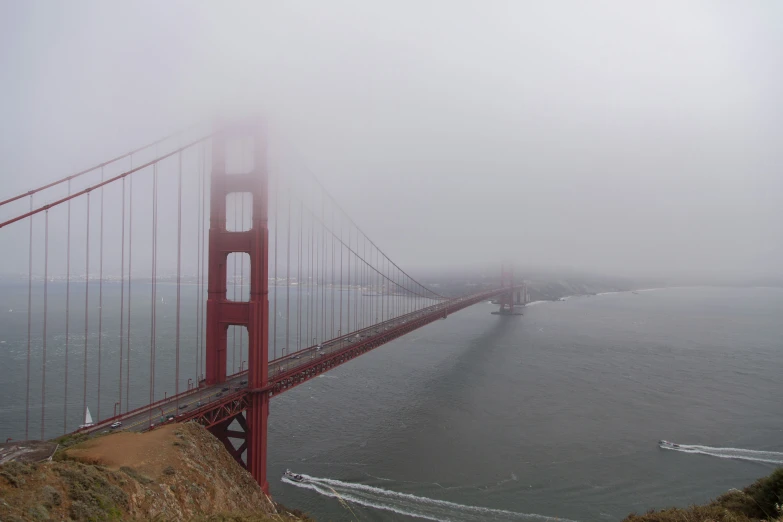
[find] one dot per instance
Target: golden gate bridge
(311, 292)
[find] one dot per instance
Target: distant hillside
(543, 290)
(541, 286)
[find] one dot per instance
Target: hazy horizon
(604, 138)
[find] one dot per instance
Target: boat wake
(770, 457)
(410, 505)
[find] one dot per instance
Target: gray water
(480, 417)
(299, 317)
(556, 413)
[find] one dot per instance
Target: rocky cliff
(176, 472)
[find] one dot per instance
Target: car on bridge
(115, 425)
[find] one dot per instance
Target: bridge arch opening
(236, 349)
(238, 277)
(239, 211)
(239, 154)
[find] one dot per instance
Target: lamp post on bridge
(190, 383)
(115, 408)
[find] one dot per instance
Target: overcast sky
(614, 137)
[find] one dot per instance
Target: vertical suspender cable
(288, 277)
(277, 219)
(153, 281)
(234, 286)
(198, 267)
(311, 287)
(29, 322)
(323, 268)
(309, 279)
(86, 305)
(67, 311)
(122, 288)
(342, 249)
(130, 293)
(100, 304)
(179, 265)
(45, 309)
(331, 285)
(241, 274)
(299, 283)
(311, 284)
(202, 350)
(317, 279)
(350, 292)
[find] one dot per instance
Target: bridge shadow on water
(477, 358)
(427, 445)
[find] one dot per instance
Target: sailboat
(87, 419)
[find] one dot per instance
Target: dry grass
(128, 476)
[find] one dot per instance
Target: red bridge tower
(253, 314)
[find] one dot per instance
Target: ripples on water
(556, 413)
(553, 414)
(409, 505)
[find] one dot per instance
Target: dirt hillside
(176, 472)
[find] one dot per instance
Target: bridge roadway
(203, 403)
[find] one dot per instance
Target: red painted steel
(254, 314)
(305, 372)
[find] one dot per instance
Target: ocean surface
(555, 414)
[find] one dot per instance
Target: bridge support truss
(253, 314)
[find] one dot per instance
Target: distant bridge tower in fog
(514, 295)
(521, 296)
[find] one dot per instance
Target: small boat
(87, 420)
(668, 444)
(290, 475)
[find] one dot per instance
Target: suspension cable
(96, 167)
(101, 184)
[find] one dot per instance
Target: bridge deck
(211, 404)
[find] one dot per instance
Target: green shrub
(759, 501)
(766, 493)
(138, 477)
(38, 512)
(50, 497)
